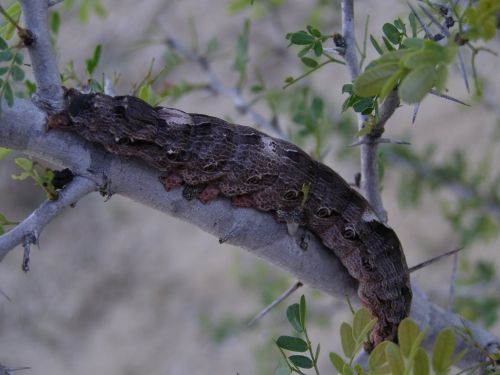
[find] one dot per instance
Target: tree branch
(49, 95)
(215, 85)
(22, 128)
(33, 225)
(368, 149)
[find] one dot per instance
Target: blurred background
(118, 288)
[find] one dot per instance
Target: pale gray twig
(450, 98)
(453, 281)
(28, 231)
(368, 151)
(275, 303)
(216, 86)
(49, 94)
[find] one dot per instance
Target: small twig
(51, 3)
(28, 231)
(450, 98)
(276, 302)
(49, 95)
(427, 31)
(9, 370)
(443, 29)
(379, 141)
(453, 282)
(414, 113)
(433, 260)
(216, 86)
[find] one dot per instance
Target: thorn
(379, 141)
(29, 239)
(231, 234)
(5, 295)
(273, 304)
(434, 259)
(428, 33)
(453, 281)
(463, 71)
(416, 107)
(443, 29)
(450, 98)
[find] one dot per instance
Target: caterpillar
(212, 158)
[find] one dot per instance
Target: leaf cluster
(41, 176)
(415, 67)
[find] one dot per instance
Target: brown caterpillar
(212, 157)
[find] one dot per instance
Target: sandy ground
(118, 288)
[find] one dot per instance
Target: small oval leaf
(371, 81)
(294, 344)
(292, 314)
(377, 357)
(417, 84)
(348, 344)
(311, 63)
(443, 350)
(394, 358)
(337, 362)
(407, 334)
(301, 361)
(421, 362)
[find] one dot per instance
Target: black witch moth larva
(213, 158)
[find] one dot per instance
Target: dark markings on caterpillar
(212, 158)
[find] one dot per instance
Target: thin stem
(309, 347)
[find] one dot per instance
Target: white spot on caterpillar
(268, 145)
(175, 116)
(369, 215)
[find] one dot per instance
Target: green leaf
(294, 344)
(6, 55)
(394, 358)
(3, 70)
(408, 332)
(20, 176)
(388, 44)
(363, 105)
(443, 350)
(311, 63)
(55, 22)
(283, 370)
(3, 44)
(318, 48)
(4, 152)
(8, 29)
(346, 339)
(30, 87)
(313, 31)
(301, 361)
(347, 370)
(415, 43)
(302, 312)
(25, 164)
(422, 57)
(347, 88)
(391, 83)
(17, 73)
(337, 362)
(8, 95)
(300, 38)
(376, 45)
(304, 50)
(377, 357)
(371, 81)
(413, 24)
(242, 59)
(317, 107)
(421, 362)
(19, 58)
(293, 316)
(417, 84)
(441, 77)
(392, 33)
(92, 63)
